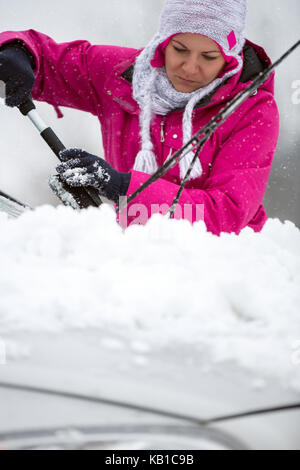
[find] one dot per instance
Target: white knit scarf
(155, 94)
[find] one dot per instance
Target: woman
(151, 101)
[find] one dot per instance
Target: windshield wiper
(145, 409)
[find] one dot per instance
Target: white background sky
(25, 160)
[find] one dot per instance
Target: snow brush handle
(28, 109)
(84, 197)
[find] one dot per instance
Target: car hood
(90, 366)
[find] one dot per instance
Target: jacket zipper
(162, 139)
(162, 135)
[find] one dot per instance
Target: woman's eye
(179, 50)
(184, 50)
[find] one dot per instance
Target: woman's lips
(185, 81)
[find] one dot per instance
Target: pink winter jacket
(236, 160)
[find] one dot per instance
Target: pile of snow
(236, 297)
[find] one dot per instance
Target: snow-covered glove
(17, 74)
(81, 169)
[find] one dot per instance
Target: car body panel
(176, 382)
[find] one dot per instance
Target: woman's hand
(81, 169)
(17, 74)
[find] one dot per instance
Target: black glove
(17, 74)
(83, 169)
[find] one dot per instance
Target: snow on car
(152, 337)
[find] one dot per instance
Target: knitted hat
(224, 22)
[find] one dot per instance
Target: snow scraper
(78, 198)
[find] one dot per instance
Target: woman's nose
(190, 67)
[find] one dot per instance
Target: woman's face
(195, 58)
